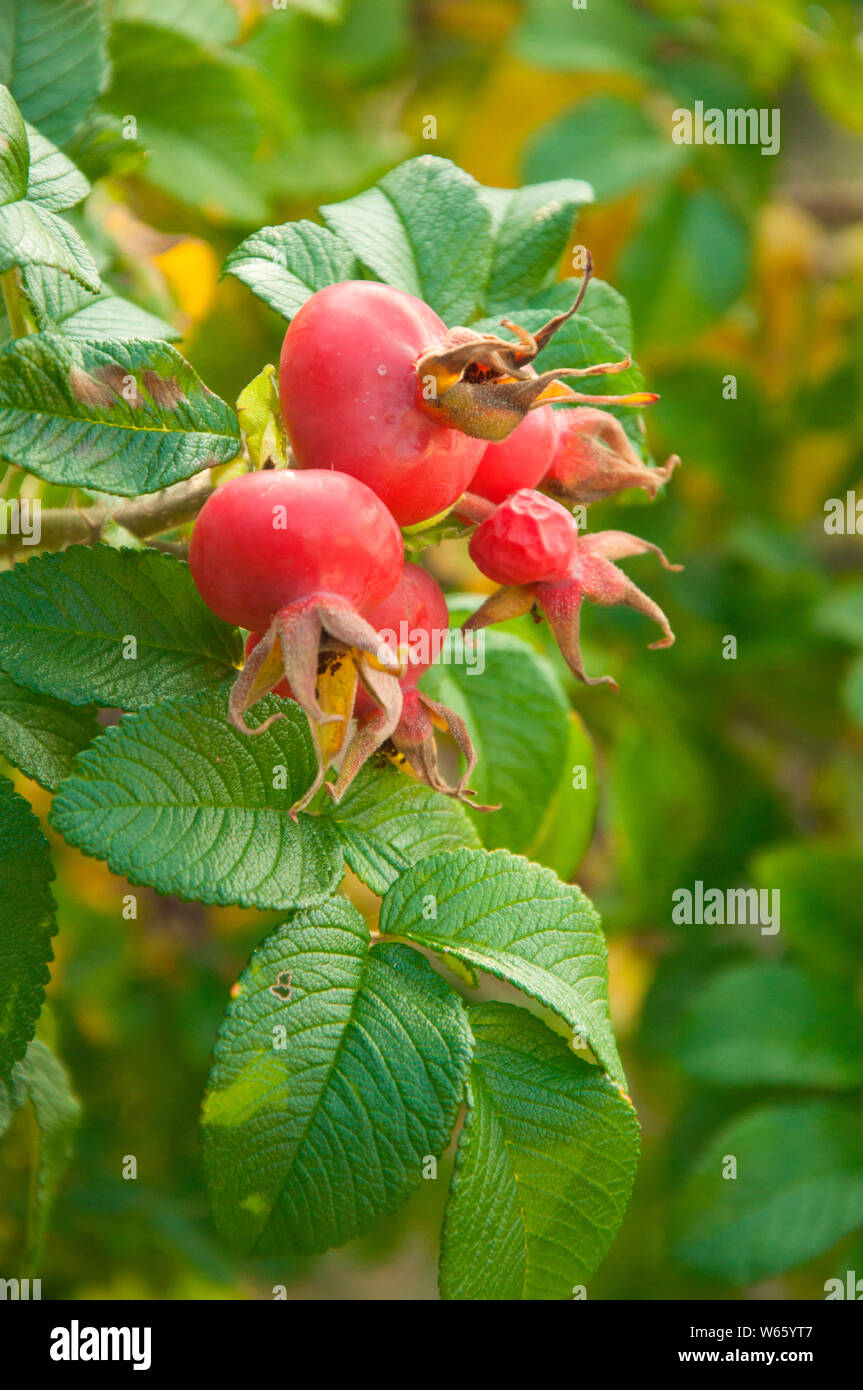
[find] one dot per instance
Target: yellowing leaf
(261, 420)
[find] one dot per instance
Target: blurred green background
(745, 277)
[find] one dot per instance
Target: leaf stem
(14, 301)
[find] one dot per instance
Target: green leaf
(840, 614)
(58, 303)
(330, 10)
(32, 235)
(13, 1094)
(820, 888)
(425, 229)
(686, 265)
(566, 830)
(516, 712)
(36, 181)
(53, 182)
(41, 736)
(58, 1116)
(386, 821)
(210, 21)
(497, 912)
(660, 805)
(261, 420)
(582, 343)
(611, 141)
(116, 417)
(602, 304)
(852, 690)
(772, 1025)
(531, 229)
(14, 150)
(338, 1071)
(66, 621)
(284, 266)
(611, 37)
(544, 1168)
(103, 145)
(26, 924)
(52, 56)
(177, 798)
(198, 117)
(798, 1190)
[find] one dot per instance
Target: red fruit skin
(417, 601)
(338, 539)
(351, 400)
(528, 539)
(520, 460)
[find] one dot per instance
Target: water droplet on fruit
(382, 371)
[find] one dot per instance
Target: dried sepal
(595, 458)
(561, 606)
(410, 744)
(321, 647)
(485, 385)
(511, 601)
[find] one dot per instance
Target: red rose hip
(299, 557)
(352, 401)
(520, 460)
(527, 539)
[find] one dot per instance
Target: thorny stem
(142, 516)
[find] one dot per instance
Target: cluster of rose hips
(395, 421)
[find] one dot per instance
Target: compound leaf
(208, 20)
(31, 235)
(798, 1189)
(125, 418)
(14, 150)
(53, 182)
(565, 831)
(198, 114)
(820, 886)
(531, 228)
(58, 1116)
(285, 265)
(40, 735)
(497, 912)
(425, 229)
(52, 56)
(177, 798)
(516, 711)
(612, 141)
(35, 179)
(58, 302)
(26, 924)
(386, 821)
(544, 1168)
(602, 304)
(115, 627)
(338, 1070)
(772, 1024)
